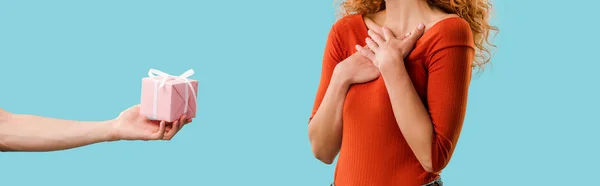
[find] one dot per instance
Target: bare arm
(20, 132)
(325, 128)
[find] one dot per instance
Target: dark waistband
(436, 182)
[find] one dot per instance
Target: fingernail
(407, 34)
(421, 26)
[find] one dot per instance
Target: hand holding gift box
(166, 97)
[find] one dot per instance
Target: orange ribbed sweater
(373, 150)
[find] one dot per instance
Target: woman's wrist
(340, 79)
(393, 69)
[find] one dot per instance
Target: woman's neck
(402, 16)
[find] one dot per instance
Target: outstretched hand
(130, 125)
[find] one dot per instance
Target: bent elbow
(437, 168)
(437, 163)
(322, 155)
(428, 167)
(324, 149)
(441, 153)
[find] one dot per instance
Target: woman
(20, 132)
(394, 109)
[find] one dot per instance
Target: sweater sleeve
(331, 57)
(449, 78)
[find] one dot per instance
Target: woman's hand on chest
(388, 51)
(355, 69)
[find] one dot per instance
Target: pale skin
(384, 55)
(29, 133)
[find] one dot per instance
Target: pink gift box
(167, 98)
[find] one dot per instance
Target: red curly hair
(475, 12)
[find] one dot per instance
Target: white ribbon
(183, 77)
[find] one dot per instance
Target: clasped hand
(386, 50)
(383, 51)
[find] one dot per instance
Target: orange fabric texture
(373, 150)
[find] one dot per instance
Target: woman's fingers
(416, 33)
(376, 37)
(366, 52)
(372, 25)
(371, 44)
(387, 33)
(404, 36)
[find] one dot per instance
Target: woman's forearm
(410, 113)
(20, 132)
(325, 128)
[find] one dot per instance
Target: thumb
(135, 108)
(416, 33)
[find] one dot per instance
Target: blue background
(532, 116)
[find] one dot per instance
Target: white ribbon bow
(183, 77)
